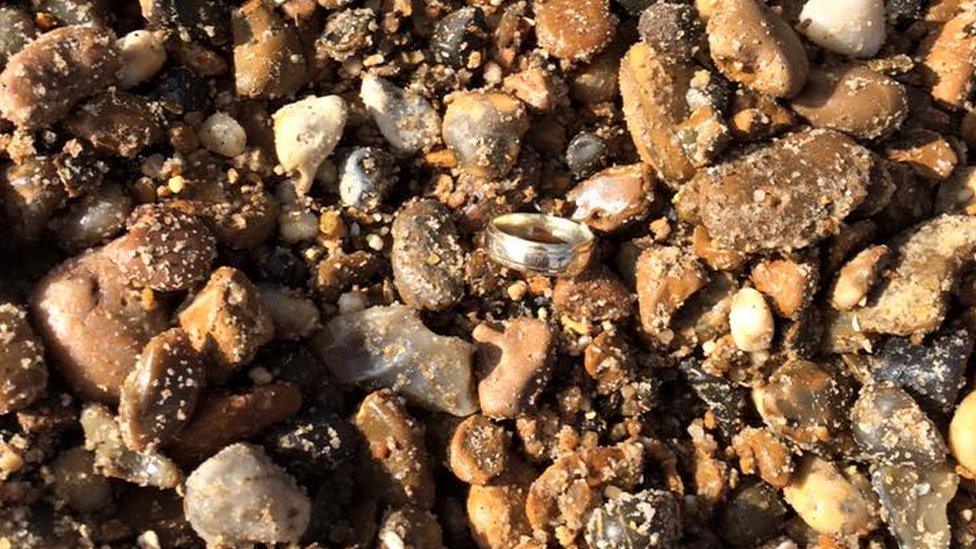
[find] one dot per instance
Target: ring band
(539, 243)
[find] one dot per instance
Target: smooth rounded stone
(478, 450)
(268, 56)
(585, 154)
(831, 500)
(821, 177)
(220, 133)
(76, 481)
(390, 347)
(368, 175)
(573, 30)
(855, 100)
(96, 217)
(484, 129)
(312, 444)
(459, 37)
(934, 371)
(240, 496)
(118, 123)
(751, 321)
(93, 324)
(752, 45)
(43, 81)
(23, 373)
(160, 393)
(164, 249)
(849, 27)
(753, 515)
(914, 502)
(929, 258)
(30, 194)
(651, 518)
(515, 365)
(16, 30)
(806, 403)
(201, 21)
(672, 29)
(614, 198)
(962, 433)
(946, 60)
(891, 429)
(428, 262)
(406, 119)
(305, 134)
(113, 459)
(142, 54)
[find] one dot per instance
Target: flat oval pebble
(573, 29)
(428, 262)
(855, 100)
(240, 495)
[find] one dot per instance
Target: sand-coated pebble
(368, 174)
(672, 29)
(268, 56)
(23, 373)
(459, 36)
(405, 118)
(305, 134)
(428, 261)
(484, 129)
(855, 100)
(574, 30)
(586, 154)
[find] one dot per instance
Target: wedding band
(539, 243)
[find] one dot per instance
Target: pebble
(114, 459)
(77, 483)
(406, 119)
(516, 365)
(240, 496)
(200, 21)
(946, 65)
(220, 133)
(725, 401)
(390, 347)
(751, 321)
(856, 278)
(43, 81)
(853, 28)
(427, 259)
(484, 130)
(305, 134)
(751, 516)
(752, 45)
(496, 511)
(892, 429)
(93, 324)
(962, 433)
(651, 518)
(268, 56)
(409, 526)
(788, 283)
(459, 37)
(164, 249)
(614, 198)
(223, 419)
(928, 260)
(811, 198)
(116, 122)
(160, 393)
(595, 296)
(23, 372)
(855, 100)
(347, 33)
(666, 277)
(30, 194)
(96, 217)
(673, 30)
(142, 55)
(831, 500)
(16, 30)
(915, 503)
(759, 450)
(312, 443)
(478, 450)
(574, 30)
(586, 154)
(958, 193)
(396, 468)
(293, 314)
(933, 370)
(368, 175)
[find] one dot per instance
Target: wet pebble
(459, 38)
(855, 28)
(428, 262)
(406, 119)
(23, 372)
(240, 496)
(586, 154)
(484, 129)
(614, 198)
(368, 175)
(855, 100)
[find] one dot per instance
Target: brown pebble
(44, 80)
(666, 277)
(428, 262)
(496, 511)
(117, 122)
(947, 64)
(484, 130)
(855, 100)
(228, 321)
(573, 30)
(857, 276)
(23, 373)
(789, 283)
(479, 450)
(929, 154)
(761, 451)
(160, 393)
(268, 55)
(517, 363)
(223, 419)
(30, 194)
(614, 197)
(594, 296)
(340, 271)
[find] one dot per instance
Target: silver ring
(539, 243)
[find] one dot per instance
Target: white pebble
(404, 118)
(294, 315)
(751, 321)
(143, 55)
(849, 27)
(305, 134)
(352, 302)
(221, 134)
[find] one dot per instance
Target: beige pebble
(751, 321)
(222, 134)
(142, 55)
(962, 434)
(829, 500)
(857, 277)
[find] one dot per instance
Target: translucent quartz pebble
(240, 496)
(890, 427)
(390, 347)
(914, 503)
